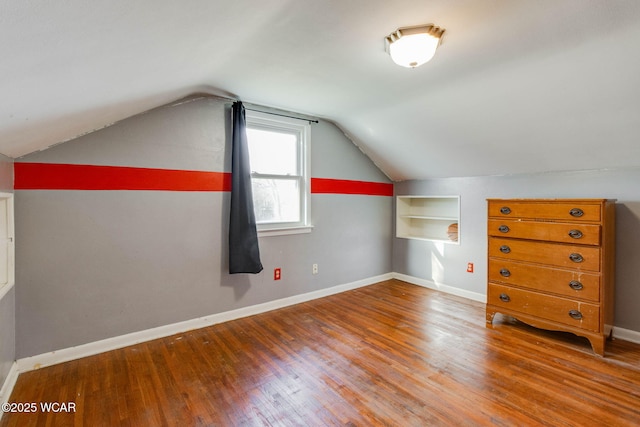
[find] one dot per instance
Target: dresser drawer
(562, 211)
(584, 234)
(562, 310)
(554, 254)
(570, 283)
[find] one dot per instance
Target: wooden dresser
(552, 264)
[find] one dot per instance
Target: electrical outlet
(277, 274)
(314, 269)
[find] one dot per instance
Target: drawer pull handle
(503, 229)
(505, 249)
(504, 298)
(576, 257)
(576, 212)
(575, 314)
(504, 272)
(575, 285)
(505, 210)
(576, 234)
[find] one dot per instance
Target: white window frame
(10, 242)
(302, 129)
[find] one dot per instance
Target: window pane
(274, 153)
(276, 200)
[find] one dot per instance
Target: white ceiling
(516, 86)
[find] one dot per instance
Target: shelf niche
(433, 218)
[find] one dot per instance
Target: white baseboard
(626, 335)
(441, 287)
(9, 383)
(90, 349)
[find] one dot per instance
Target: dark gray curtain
(244, 253)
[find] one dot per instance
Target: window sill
(285, 231)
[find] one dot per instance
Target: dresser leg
(597, 343)
(490, 315)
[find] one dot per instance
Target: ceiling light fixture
(413, 46)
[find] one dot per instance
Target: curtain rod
(284, 115)
(228, 98)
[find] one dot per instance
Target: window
(279, 156)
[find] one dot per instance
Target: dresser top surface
(552, 200)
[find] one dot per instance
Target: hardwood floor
(390, 354)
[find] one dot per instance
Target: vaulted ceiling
(517, 86)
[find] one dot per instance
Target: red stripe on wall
(55, 176)
(342, 186)
(52, 176)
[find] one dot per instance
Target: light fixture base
(413, 46)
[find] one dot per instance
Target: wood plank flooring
(390, 354)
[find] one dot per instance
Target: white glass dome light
(413, 46)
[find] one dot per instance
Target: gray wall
(98, 264)
(426, 260)
(7, 302)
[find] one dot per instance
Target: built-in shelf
(435, 218)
